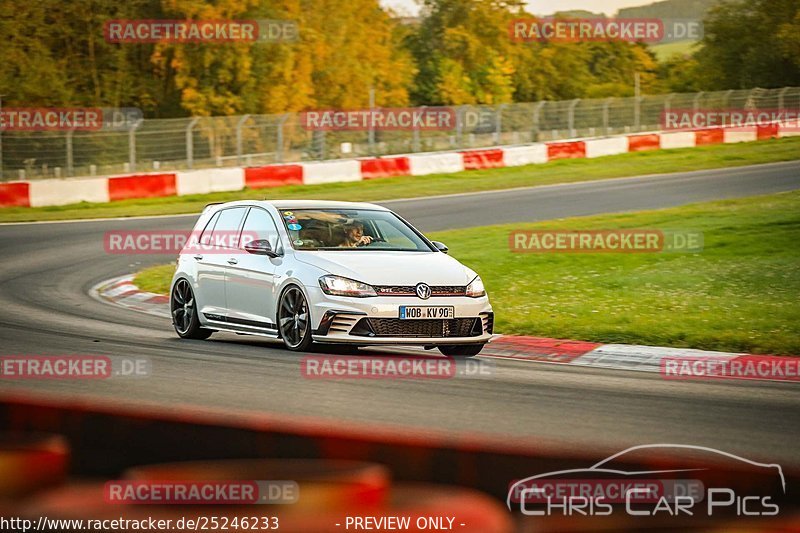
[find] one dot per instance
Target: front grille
(395, 327)
(410, 290)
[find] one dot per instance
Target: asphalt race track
(47, 269)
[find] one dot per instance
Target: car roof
(303, 204)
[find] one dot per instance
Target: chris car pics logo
(729, 485)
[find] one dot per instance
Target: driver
(354, 233)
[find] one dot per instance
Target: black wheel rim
(293, 317)
(182, 304)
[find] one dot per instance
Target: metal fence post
(279, 139)
(696, 101)
(571, 117)
(190, 142)
(70, 160)
(498, 128)
(132, 145)
(415, 141)
(780, 97)
(606, 124)
(1, 138)
(537, 119)
(239, 125)
(371, 132)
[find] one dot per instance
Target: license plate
(416, 312)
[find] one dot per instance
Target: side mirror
(440, 246)
(260, 247)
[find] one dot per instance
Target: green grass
(155, 279)
(564, 171)
(739, 294)
(667, 50)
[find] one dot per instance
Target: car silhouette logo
(423, 291)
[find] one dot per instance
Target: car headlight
(339, 286)
(475, 289)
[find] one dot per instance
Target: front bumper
(375, 321)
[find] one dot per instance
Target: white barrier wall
(435, 163)
(677, 139)
(209, 180)
(740, 135)
(331, 172)
(517, 156)
(607, 146)
(789, 129)
(68, 191)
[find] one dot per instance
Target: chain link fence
(207, 142)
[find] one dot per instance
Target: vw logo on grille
(423, 291)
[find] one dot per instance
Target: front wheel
(183, 307)
(461, 350)
(294, 320)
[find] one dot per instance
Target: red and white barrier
(49, 192)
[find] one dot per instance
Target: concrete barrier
(740, 135)
(641, 143)
(709, 136)
(385, 167)
(566, 150)
(331, 172)
(15, 194)
(209, 180)
(141, 186)
(444, 163)
(607, 146)
(531, 154)
(69, 191)
(677, 139)
(478, 159)
(273, 176)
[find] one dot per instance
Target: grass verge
(739, 294)
(563, 171)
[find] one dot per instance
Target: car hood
(390, 268)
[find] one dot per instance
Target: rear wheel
(183, 307)
(294, 320)
(461, 350)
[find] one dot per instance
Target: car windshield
(350, 229)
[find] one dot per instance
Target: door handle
(198, 257)
(233, 261)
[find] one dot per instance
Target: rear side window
(205, 237)
(226, 230)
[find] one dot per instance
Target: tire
(183, 308)
(460, 350)
(294, 320)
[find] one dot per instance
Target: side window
(205, 237)
(226, 232)
(259, 226)
(393, 235)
